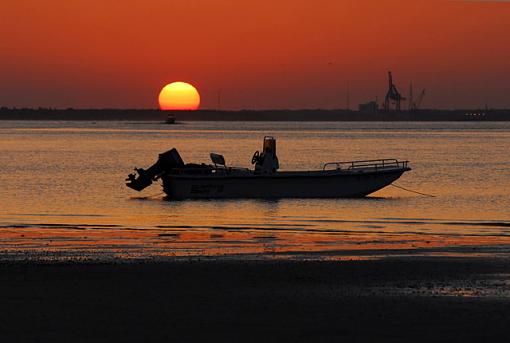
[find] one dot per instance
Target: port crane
(415, 104)
(392, 96)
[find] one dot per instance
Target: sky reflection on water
(63, 190)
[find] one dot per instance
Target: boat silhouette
(346, 179)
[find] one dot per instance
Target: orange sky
(260, 54)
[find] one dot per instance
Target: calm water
(62, 192)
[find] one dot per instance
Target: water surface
(63, 193)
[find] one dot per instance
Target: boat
(170, 119)
(352, 179)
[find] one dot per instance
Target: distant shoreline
(251, 115)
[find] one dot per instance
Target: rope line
(411, 191)
(156, 195)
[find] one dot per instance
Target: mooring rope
(156, 195)
(410, 190)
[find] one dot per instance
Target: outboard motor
(165, 163)
(267, 161)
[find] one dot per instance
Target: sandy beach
(388, 300)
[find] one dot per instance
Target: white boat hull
(320, 184)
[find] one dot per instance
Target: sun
(179, 96)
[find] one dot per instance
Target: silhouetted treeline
(250, 115)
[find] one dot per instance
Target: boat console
(267, 161)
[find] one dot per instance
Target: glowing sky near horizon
(284, 54)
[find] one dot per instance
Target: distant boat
(170, 119)
(335, 180)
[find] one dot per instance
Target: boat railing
(389, 163)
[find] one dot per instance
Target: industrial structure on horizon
(393, 100)
(390, 110)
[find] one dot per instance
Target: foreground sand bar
(418, 299)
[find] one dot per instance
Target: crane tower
(393, 97)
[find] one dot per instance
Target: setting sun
(179, 96)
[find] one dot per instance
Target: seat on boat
(218, 159)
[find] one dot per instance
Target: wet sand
(388, 300)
